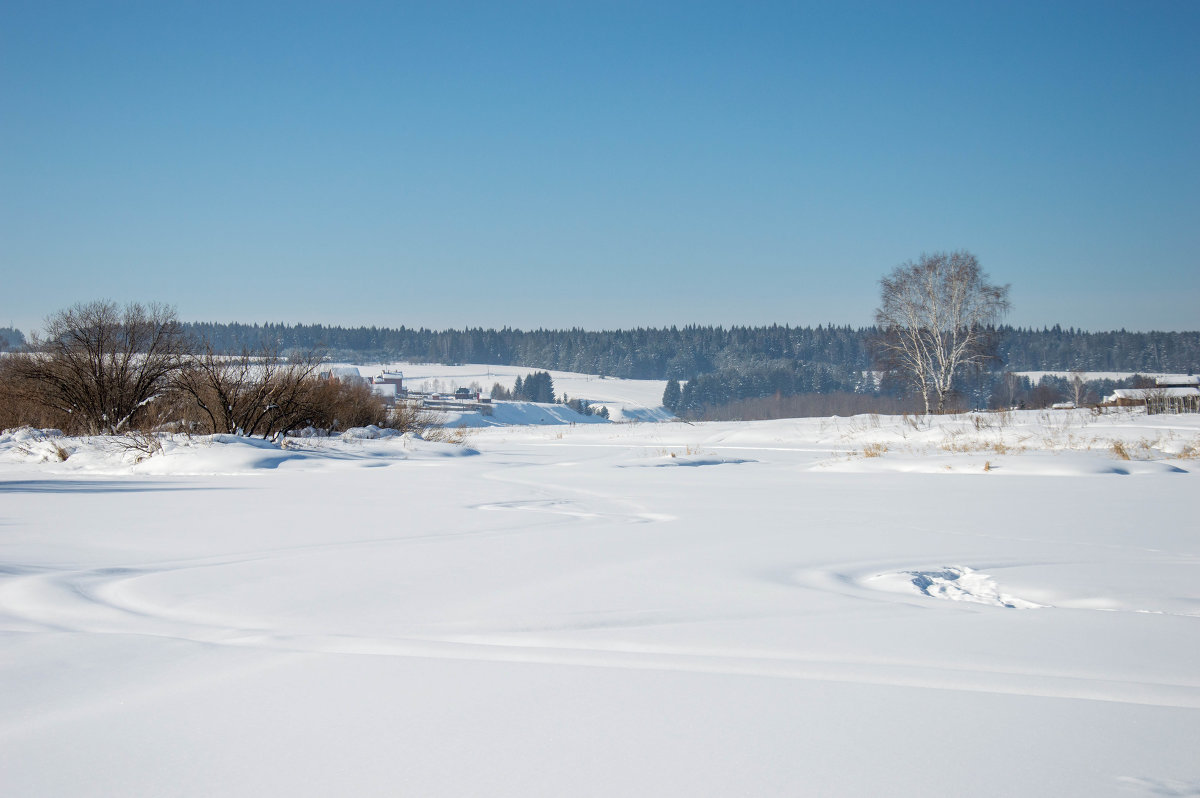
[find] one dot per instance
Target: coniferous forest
(686, 352)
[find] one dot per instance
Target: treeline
(1058, 349)
(719, 366)
(729, 396)
(686, 352)
(776, 378)
(642, 353)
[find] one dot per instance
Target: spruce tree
(672, 395)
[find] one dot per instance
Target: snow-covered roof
(1141, 394)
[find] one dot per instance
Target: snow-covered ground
(974, 605)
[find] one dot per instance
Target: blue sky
(597, 164)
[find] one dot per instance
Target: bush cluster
(105, 369)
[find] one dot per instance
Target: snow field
(795, 607)
(626, 400)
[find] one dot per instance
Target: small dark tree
(672, 395)
(11, 338)
(543, 387)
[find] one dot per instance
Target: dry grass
(689, 450)
(459, 436)
(1190, 451)
(874, 449)
(991, 421)
(1144, 449)
(974, 446)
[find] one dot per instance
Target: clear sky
(597, 164)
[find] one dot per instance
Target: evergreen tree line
(684, 353)
(640, 353)
(785, 378)
(772, 393)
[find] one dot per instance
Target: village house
(389, 385)
(1169, 395)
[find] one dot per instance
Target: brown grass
(874, 449)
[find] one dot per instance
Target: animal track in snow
(955, 583)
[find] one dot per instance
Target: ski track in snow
(1164, 788)
(106, 601)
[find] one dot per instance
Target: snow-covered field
(975, 605)
(626, 400)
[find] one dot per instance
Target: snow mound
(368, 433)
(954, 583)
(628, 413)
(22, 434)
(215, 454)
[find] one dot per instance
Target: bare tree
(936, 317)
(260, 394)
(101, 363)
(408, 416)
(1078, 385)
(341, 405)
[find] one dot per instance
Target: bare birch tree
(1078, 385)
(936, 316)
